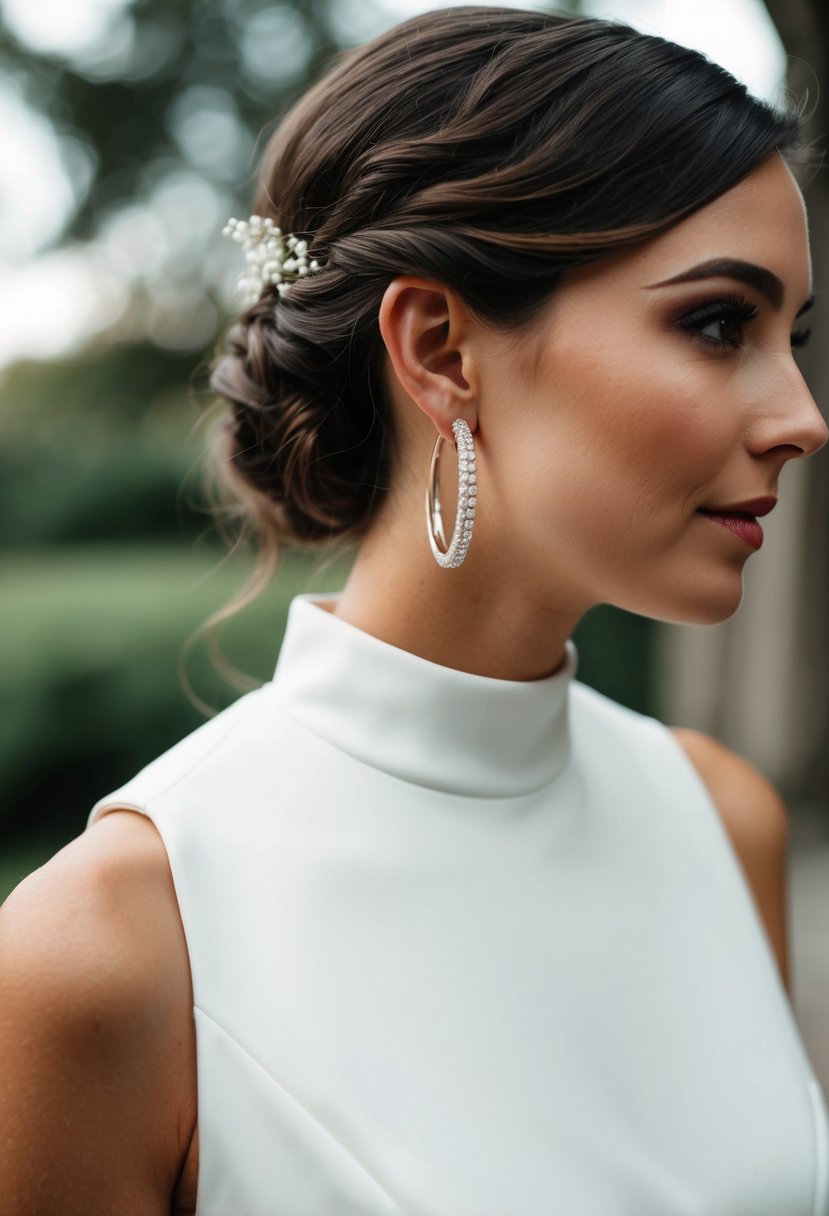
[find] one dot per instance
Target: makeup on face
(729, 309)
(741, 518)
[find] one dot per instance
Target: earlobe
(425, 327)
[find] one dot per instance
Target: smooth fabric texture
(471, 947)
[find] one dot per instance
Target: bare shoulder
(756, 820)
(97, 1087)
(93, 917)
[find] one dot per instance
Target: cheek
(659, 432)
(613, 437)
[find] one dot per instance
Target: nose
(792, 422)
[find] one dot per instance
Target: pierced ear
(425, 326)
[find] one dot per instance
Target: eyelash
(729, 307)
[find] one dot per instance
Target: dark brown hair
(491, 149)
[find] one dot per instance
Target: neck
(498, 624)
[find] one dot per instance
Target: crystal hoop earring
(452, 556)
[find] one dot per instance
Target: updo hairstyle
(492, 149)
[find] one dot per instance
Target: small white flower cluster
(272, 259)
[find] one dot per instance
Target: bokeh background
(130, 131)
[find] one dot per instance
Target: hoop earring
(451, 557)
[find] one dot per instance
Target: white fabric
(471, 947)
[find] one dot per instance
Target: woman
(425, 925)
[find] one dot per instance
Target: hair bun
(290, 435)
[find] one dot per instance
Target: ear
(426, 328)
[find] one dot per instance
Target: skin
(599, 431)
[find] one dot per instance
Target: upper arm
(91, 1025)
(756, 820)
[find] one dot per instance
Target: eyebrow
(760, 277)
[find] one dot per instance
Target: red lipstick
(752, 506)
(740, 518)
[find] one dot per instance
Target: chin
(712, 609)
(697, 605)
(713, 616)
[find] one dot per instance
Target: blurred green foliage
(95, 671)
(99, 448)
(127, 104)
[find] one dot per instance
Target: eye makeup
(732, 313)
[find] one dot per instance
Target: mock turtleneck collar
(418, 720)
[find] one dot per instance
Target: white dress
(463, 946)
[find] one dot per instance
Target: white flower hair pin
(273, 259)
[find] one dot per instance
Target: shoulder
(90, 917)
(95, 1018)
(756, 821)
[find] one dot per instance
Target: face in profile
(660, 384)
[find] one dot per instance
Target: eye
(720, 323)
(801, 336)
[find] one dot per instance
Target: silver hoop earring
(452, 556)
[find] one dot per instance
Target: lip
(752, 506)
(740, 518)
(744, 526)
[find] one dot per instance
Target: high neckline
(421, 721)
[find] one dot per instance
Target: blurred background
(129, 133)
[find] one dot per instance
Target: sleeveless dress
(463, 946)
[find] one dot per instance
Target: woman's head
(656, 385)
(514, 158)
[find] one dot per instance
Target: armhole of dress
(727, 850)
(109, 805)
(732, 858)
(820, 1206)
(687, 765)
(114, 804)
